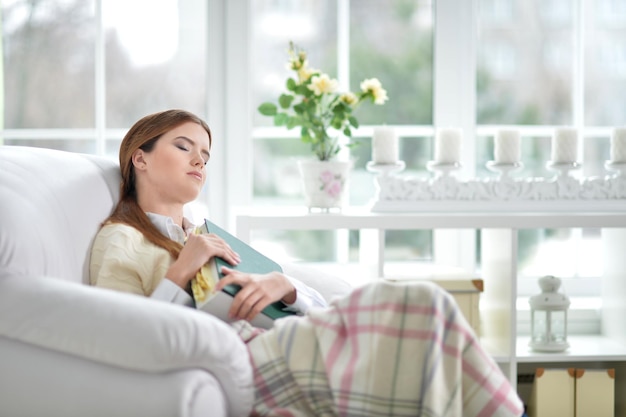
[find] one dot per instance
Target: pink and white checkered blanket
(385, 350)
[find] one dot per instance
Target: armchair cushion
(52, 206)
(42, 382)
(125, 331)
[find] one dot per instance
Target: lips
(196, 174)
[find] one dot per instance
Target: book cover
(252, 261)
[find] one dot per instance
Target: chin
(190, 196)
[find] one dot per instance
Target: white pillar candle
(448, 146)
(618, 145)
(384, 145)
(506, 148)
(565, 146)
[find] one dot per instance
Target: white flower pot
(325, 183)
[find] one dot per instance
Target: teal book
(251, 261)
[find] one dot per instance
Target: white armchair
(73, 350)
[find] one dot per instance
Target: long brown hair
(143, 135)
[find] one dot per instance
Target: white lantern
(548, 317)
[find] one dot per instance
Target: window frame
(230, 108)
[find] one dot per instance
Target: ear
(139, 160)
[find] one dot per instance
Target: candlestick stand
(504, 169)
(385, 169)
(562, 168)
(618, 168)
(442, 169)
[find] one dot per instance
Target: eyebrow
(186, 139)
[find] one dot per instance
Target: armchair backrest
(51, 206)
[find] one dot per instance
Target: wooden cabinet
(499, 239)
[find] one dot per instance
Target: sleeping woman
(384, 350)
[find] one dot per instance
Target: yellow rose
(296, 64)
(380, 96)
(321, 84)
(349, 98)
(305, 73)
(373, 86)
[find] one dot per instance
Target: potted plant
(314, 103)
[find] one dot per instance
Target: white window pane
(574, 254)
(605, 63)
(155, 60)
(48, 63)
(275, 170)
(525, 62)
(310, 24)
(408, 246)
(393, 41)
(596, 150)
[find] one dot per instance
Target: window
(77, 73)
(49, 72)
(565, 57)
(351, 41)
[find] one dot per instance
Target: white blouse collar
(166, 225)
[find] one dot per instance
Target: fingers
(211, 245)
(251, 299)
(230, 275)
(224, 250)
(248, 304)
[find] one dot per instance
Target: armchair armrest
(125, 330)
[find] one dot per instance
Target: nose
(197, 160)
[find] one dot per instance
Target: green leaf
(306, 138)
(336, 123)
(280, 119)
(299, 108)
(291, 84)
(292, 122)
(339, 112)
(267, 109)
(303, 90)
(309, 106)
(354, 122)
(285, 100)
(347, 131)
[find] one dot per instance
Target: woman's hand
(197, 251)
(257, 292)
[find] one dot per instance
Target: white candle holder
(618, 168)
(385, 169)
(442, 169)
(563, 169)
(504, 169)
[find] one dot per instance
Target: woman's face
(174, 171)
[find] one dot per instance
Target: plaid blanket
(385, 350)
